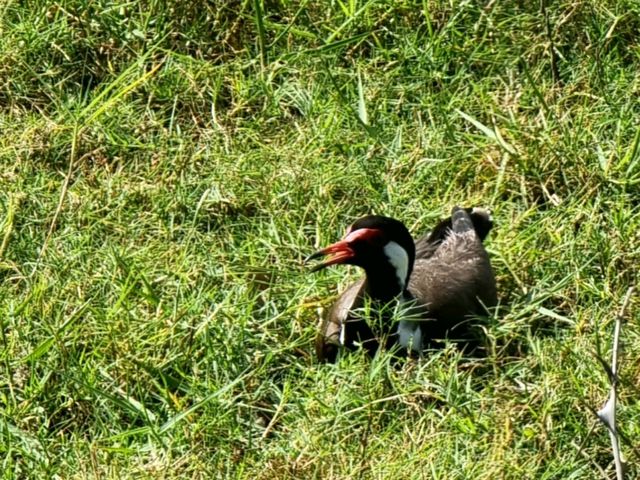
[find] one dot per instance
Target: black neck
(383, 284)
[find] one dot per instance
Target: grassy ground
(166, 166)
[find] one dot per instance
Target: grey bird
(429, 287)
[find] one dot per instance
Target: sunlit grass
(167, 166)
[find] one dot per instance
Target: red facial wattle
(342, 251)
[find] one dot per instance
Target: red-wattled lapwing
(437, 282)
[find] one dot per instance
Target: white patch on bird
(410, 335)
(482, 212)
(399, 259)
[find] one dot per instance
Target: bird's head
(372, 243)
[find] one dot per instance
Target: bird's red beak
(342, 252)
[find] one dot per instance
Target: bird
(430, 286)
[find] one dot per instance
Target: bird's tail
(461, 220)
(457, 222)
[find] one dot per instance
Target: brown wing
(341, 328)
(454, 282)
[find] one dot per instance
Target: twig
(580, 451)
(552, 48)
(63, 194)
(275, 418)
(73, 162)
(14, 204)
(607, 414)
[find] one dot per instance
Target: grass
(166, 166)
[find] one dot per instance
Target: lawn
(166, 166)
